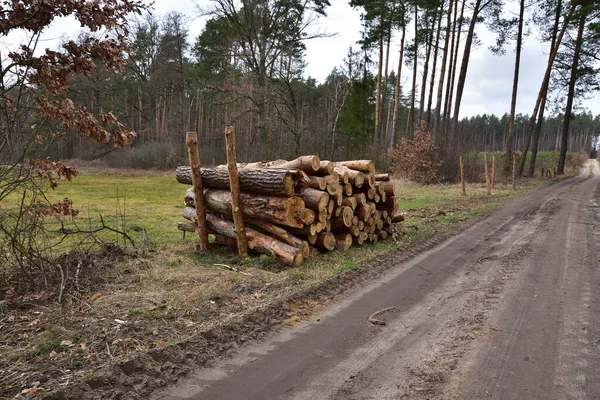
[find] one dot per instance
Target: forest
(248, 67)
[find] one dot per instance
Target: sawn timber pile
(291, 209)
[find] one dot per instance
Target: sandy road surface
(508, 309)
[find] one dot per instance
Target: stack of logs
(292, 208)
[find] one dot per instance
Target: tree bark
(378, 98)
(544, 94)
(440, 88)
(545, 82)
(278, 182)
(192, 145)
(513, 102)
(411, 119)
(571, 95)
(281, 234)
(434, 67)
(288, 211)
(236, 206)
(398, 77)
(315, 199)
(258, 242)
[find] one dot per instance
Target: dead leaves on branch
(47, 77)
(413, 158)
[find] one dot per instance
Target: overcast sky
(489, 78)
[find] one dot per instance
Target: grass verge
(171, 295)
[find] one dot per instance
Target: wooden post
(493, 170)
(462, 176)
(514, 170)
(234, 184)
(488, 186)
(543, 172)
(192, 145)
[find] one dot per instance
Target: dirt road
(508, 309)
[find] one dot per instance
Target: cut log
(360, 238)
(281, 234)
(343, 241)
(337, 212)
(339, 196)
(349, 202)
(359, 165)
(343, 173)
(258, 242)
(371, 192)
(305, 231)
(325, 241)
(278, 182)
(397, 218)
(225, 241)
(330, 206)
(377, 198)
(382, 234)
(317, 183)
(308, 164)
(389, 188)
(315, 199)
(322, 215)
(379, 224)
(364, 212)
(187, 226)
(312, 239)
(333, 182)
(361, 199)
(288, 211)
(370, 180)
(344, 220)
(356, 178)
(348, 189)
(309, 216)
(328, 225)
(376, 215)
(325, 168)
(361, 225)
(382, 177)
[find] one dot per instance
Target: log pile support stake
(192, 145)
(234, 184)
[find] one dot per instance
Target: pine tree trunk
(397, 96)
(426, 68)
(411, 118)
(513, 102)
(538, 128)
(440, 88)
(462, 77)
(571, 95)
(546, 80)
(434, 67)
(378, 99)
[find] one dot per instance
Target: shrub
(413, 158)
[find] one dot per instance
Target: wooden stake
(493, 170)
(514, 170)
(462, 176)
(488, 186)
(192, 145)
(234, 184)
